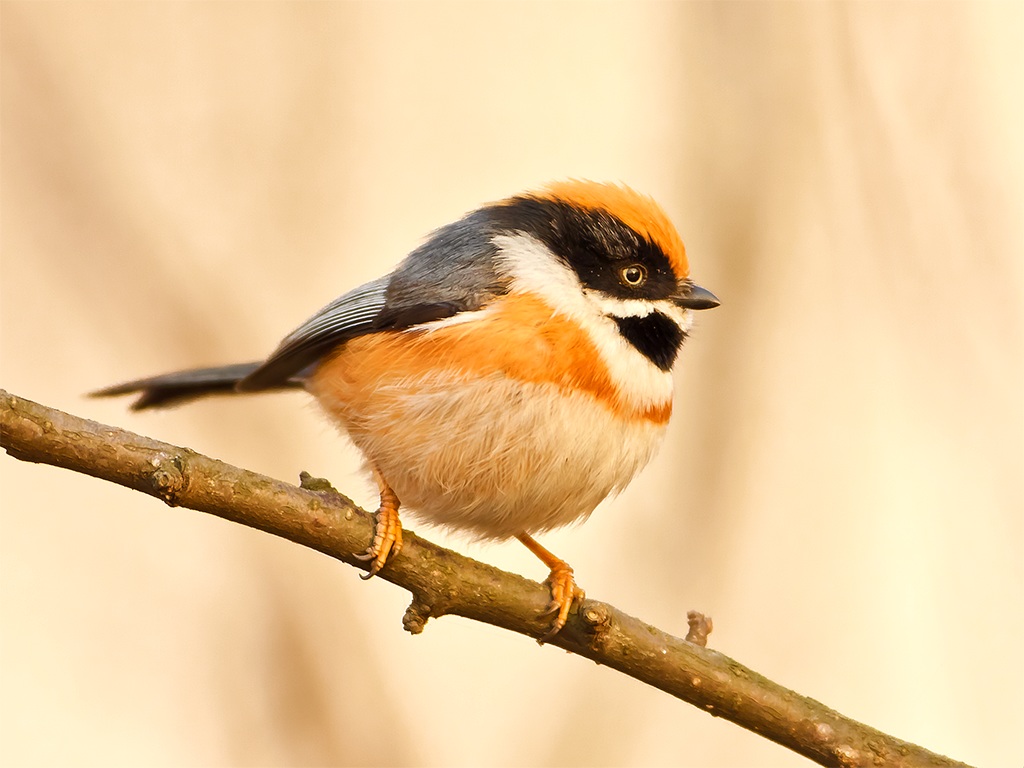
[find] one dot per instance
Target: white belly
(494, 457)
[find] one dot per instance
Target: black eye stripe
(596, 245)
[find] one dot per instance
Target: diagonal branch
(444, 582)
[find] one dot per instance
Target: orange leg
(563, 586)
(387, 535)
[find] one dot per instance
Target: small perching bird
(511, 373)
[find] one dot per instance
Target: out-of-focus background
(182, 183)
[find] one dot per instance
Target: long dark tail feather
(182, 386)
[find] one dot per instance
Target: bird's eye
(633, 275)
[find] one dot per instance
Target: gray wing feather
(456, 266)
(453, 271)
(350, 315)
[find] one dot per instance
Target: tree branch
(444, 582)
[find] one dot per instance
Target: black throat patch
(656, 337)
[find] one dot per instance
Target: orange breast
(519, 337)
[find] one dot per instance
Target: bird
(512, 372)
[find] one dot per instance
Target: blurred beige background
(842, 489)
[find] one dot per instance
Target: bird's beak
(695, 297)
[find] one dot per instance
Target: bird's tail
(182, 386)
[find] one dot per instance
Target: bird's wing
(453, 271)
(348, 316)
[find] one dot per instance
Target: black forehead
(593, 242)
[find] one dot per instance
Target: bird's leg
(563, 586)
(387, 533)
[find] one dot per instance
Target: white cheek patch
(641, 308)
(620, 307)
(536, 270)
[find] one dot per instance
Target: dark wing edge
(182, 386)
(350, 315)
(452, 272)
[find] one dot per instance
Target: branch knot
(416, 615)
(168, 479)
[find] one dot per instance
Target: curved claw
(387, 539)
(564, 592)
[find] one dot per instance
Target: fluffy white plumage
(546, 461)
